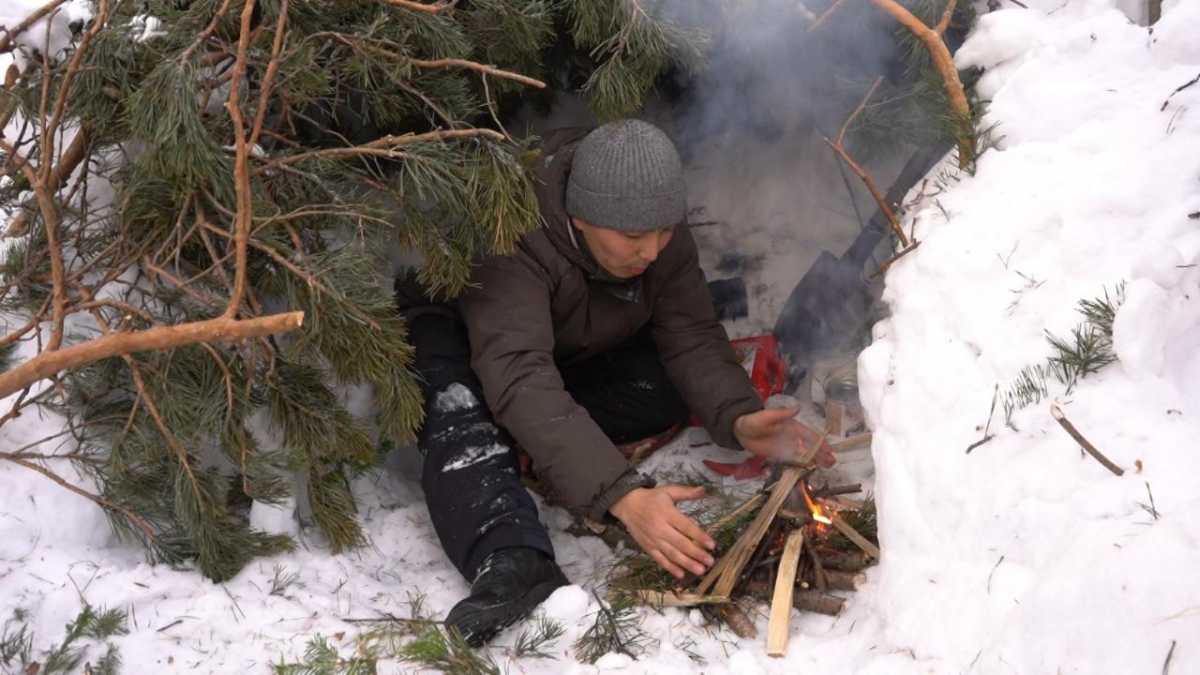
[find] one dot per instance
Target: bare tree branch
(221, 329)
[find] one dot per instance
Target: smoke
(767, 195)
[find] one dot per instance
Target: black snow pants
(471, 477)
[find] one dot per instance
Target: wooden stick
(844, 561)
(779, 625)
(742, 508)
(852, 442)
(738, 622)
(834, 490)
(818, 602)
(853, 535)
(844, 581)
(161, 337)
(835, 416)
(1057, 413)
(677, 599)
(725, 573)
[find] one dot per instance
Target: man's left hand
(775, 434)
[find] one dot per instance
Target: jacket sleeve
(509, 323)
(695, 348)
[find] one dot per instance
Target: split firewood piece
(852, 442)
(779, 625)
(742, 508)
(727, 570)
(849, 561)
(853, 535)
(677, 598)
(818, 602)
(835, 416)
(844, 581)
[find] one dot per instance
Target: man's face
(624, 254)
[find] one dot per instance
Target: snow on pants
(470, 476)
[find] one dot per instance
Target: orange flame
(818, 513)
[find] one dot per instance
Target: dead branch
(947, 15)
(383, 147)
(7, 41)
(264, 95)
(677, 599)
(485, 69)
(220, 329)
(1057, 413)
(824, 15)
(206, 33)
(854, 537)
(940, 54)
(241, 170)
(887, 264)
(137, 521)
(420, 7)
(70, 160)
(839, 147)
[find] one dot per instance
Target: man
(598, 330)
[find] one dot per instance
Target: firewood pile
(795, 544)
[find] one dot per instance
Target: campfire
(794, 544)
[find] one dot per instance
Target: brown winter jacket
(551, 304)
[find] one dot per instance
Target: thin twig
(1178, 89)
(824, 15)
(7, 42)
(384, 147)
(482, 68)
(264, 95)
(942, 25)
(1057, 413)
(420, 7)
(1167, 662)
(887, 264)
(987, 436)
(994, 568)
(241, 170)
(137, 521)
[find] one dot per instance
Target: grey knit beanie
(626, 175)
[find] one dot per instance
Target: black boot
(511, 582)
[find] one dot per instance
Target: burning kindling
(794, 544)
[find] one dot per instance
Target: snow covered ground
(1021, 557)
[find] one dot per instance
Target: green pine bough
(243, 160)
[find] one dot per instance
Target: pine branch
(616, 628)
(121, 343)
(944, 63)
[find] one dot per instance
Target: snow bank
(1022, 556)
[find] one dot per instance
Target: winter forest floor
(1020, 557)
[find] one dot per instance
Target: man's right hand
(672, 539)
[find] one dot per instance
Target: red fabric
(768, 374)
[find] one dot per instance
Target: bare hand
(672, 539)
(774, 434)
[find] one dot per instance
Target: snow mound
(1024, 556)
